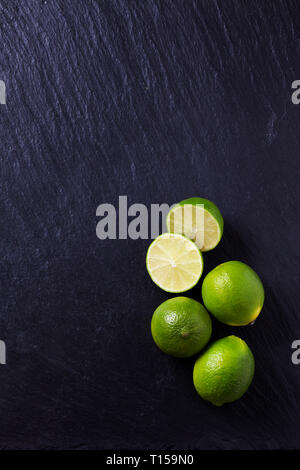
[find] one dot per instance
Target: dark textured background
(157, 100)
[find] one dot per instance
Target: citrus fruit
(233, 293)
(174, 262)
(199, 219)
(224, 371)
(181, 327)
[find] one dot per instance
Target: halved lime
(174, 262)
(198, 219)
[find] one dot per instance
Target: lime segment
(174, 262)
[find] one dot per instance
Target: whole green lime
(233, 293)
(181, 327)
(224, 371)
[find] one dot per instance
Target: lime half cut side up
(198, 219)
(174, 262)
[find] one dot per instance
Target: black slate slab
(159, 101)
